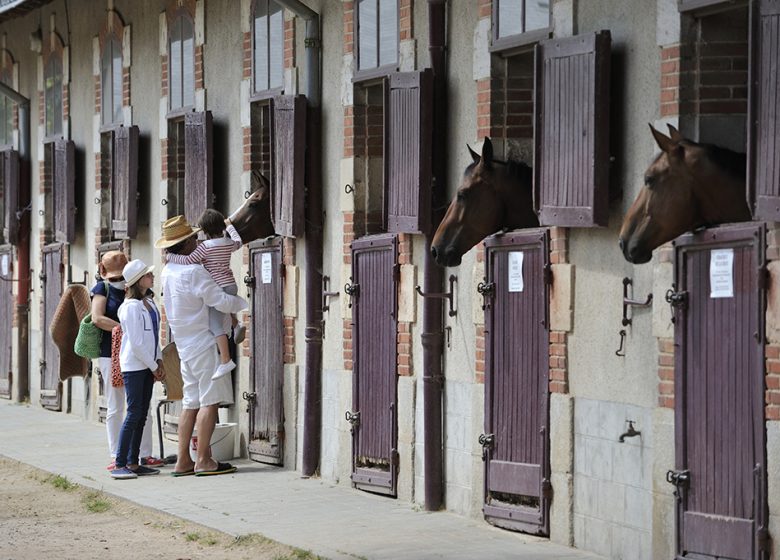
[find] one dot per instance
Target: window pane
(276, 46)
(188, 62)
(537, 14)
(117, 75)
(53, 96)
(510, 17)
(367, 31)
(261, 47)
(106, 109)
(388, 32)
(174, 71)
(6, 110)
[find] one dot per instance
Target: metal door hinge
(547, 489)
(763, 278)
(548, 276)
(762, 538)
(394, 458)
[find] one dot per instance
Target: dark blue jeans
(138, 391)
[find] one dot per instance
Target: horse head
(253, 219)
(687, 186)
(493, 195)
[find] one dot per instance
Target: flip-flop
(222, 468)
(183, 473)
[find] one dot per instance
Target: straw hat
(112, 263)
(175, 230)
(134, 271)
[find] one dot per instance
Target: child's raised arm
(196, 257)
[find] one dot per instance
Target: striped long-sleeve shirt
(214, 255)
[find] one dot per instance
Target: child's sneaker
(223, 370)
(141, 470)
(123, 473)
(239, 333)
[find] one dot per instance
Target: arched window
(181, 61)
(53, 94)
(6, 105)
(377, 33)
(267, 45)
(111, 81)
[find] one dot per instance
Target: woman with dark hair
(140, 360)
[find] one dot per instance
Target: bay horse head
(493, 195)
(252, 220)
(687, 186)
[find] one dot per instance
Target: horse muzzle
(448, 256)
(634, 253)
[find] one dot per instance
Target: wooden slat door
(64, 199)
(374, 377)
(719, 393)
(198, 164)
(6, 324)
(571, 134)
(764, 109)
(266, 403)
(124, 198)
(51, 284)
(9, 191)
(289, 158)
(409, 146)
(516, 451)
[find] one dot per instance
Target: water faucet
(630, 432)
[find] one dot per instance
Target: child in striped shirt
(214, 254)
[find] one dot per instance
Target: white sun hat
(134, 271)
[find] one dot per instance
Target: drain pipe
(23, 243)
(433, 274)
(312, 408)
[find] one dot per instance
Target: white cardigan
(139, 350)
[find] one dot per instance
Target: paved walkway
(331, 520)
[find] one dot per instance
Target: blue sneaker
(123, 473)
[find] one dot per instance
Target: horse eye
(649, 180)
(461, 196)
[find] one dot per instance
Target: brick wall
(666, 372)
(559, 349)
(404, 330)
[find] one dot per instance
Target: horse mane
(730, 162)
(515, 170)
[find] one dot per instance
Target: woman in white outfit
(107, 296)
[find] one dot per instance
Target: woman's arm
(99, 314)
(132, 317)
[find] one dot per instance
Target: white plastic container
(222, 442)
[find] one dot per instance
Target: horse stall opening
(265, 397)
(6, 325)
(516, 439)
(51, 277)
(720, 440)
(373, 294)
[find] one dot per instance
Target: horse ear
(474, 155)
(664, 142)
(487, 152)
(675, 134)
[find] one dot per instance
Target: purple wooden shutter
(571, 167)
(6, 326)
(517, 466)
(64, 191)
(375, 380)
(764, 138)
(409, 146)
(289, 145)
(124, 198)
(719, 396)
(10, 163)
(198, 163)
(266, 417)
(50, 394)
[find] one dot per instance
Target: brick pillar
(559, 344)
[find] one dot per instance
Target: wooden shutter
(409, 146)
(764, 119)
(571, 167)
(124, 199)
(64, 195)
(10, 194)
(289, 145)
(198, 158)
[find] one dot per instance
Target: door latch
(676, 299)
(352, 290)
(353, 418)
(486, 441)
(680, 479)
(486, 290)
(250, 399)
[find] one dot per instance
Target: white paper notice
(265, 269)
(516, 271)
(4, 266)
(722, 273)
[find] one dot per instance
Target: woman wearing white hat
(140, 360)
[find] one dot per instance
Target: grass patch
(207, 539)
(299, 554)
(61, 483)
(192, 537)
(96, 502)
(250, 539)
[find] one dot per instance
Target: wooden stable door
(373, 294)
(51, 285)
(720, 439)
(266, 397)
(6, 324)
(516, 439)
